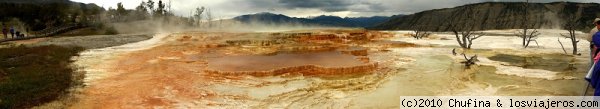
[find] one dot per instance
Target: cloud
(324, 5)
(334, 5)
(304, 8)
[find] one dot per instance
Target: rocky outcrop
(334, 35)
(497, 15)
(304, 70)
(355, 51)
(307, 48)
(251, 42)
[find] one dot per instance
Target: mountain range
(323, 20)
(478, 16)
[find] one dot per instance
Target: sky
(307, 8)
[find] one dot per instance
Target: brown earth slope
(498, 15)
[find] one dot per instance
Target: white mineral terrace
(429, 69)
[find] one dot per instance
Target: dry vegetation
(30, 76)
(419, 32)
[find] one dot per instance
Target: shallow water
(281, 60)
(552, 62)
(432, 75)
(428, 72)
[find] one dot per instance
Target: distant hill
(498, 15)
(39, 14)
(272, 19)
(35, 1)
(332, 21)
(369, 21)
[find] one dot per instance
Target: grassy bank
(30, 76)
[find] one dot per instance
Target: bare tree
(469, 61)
(209, 18)
(419, 32)
(525, 34)
(571, 26)
(198, 15)
(141, 12)
(562, 46)
(465, 39)
(121, 10)
(160, 10)
(528, 36)
(464, 32)
(220, 22)
(150, 6)
(169, 7)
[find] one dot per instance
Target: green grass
(30, 76)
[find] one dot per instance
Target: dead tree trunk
(526, 35)
(464, 32)
(570, 26)
(562, 46)
(469, 61)
(209, 18)
(465, 38)
(419, 32)
(526, 5)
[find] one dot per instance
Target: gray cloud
(304, 8)
(331, 5)
(325, 5)
(377, 7)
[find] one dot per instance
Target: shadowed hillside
(40, 14)
(498, 15)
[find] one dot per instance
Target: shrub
(111, 31)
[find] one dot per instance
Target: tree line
(36, 15)
(200, 16)
(41, 15)
(144, 11)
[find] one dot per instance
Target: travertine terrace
(338, 68)
(189, 62)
